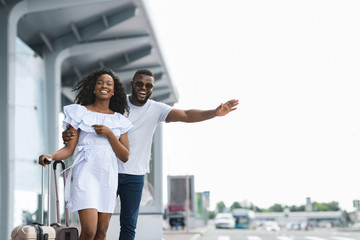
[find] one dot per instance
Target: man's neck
(134, 102)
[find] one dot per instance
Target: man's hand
(68, 134)
(227, 107)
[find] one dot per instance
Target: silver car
(224, 220)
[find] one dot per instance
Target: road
(239, 234)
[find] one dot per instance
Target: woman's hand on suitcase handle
(44, 160)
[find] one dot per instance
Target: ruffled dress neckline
(79, 116)
(110, 114)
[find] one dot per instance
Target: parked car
(224, 220)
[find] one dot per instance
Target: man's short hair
(143, 72)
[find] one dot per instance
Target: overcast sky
(295, 68)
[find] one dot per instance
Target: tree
(320, 207)
(276, 208)
(257, 209)
(220, 206)
(294, 208)
(235, 205)
(211, 214)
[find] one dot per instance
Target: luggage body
(36, 231)
(33, 232)
(63, 232)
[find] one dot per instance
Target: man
(145, 114)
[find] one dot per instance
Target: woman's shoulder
(74, 107)
(75, 112)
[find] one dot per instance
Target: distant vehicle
(176, 213)
(271, 226)
(244, 218)
(292, 226)
(304, 226)
(224, 220)
(181, 200)
(324, 224)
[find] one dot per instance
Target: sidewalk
(191, 234)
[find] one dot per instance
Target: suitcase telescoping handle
(42, 193)
(57, 194)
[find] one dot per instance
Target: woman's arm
(120, 146)
(64, 152)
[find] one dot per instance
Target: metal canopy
(124, 24)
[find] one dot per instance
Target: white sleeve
(164, 111)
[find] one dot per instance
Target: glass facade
(29, 133)
(30, 139)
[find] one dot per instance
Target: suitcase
(63, 232)
(36, 231)
(33, 232)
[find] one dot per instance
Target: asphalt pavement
(184, 234)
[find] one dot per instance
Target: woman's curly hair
(85, 91)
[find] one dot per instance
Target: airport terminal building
(46, 47)
(300, 220)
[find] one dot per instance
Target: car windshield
(224, 216)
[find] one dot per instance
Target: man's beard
(134, 95)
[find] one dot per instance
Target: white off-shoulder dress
(95, 168)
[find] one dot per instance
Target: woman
(101, 138)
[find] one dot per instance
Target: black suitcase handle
(59, 162)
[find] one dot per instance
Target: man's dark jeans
(130, 190)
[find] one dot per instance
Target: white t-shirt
(144, 120)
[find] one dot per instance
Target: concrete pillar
(8, 21)
(52, 99)
(150, 219)
(158, 168)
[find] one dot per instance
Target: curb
(202, 233)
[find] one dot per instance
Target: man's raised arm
(194, 115)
